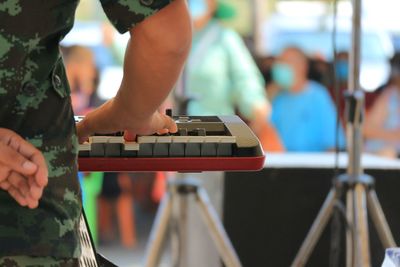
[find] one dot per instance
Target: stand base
(179, 189)
(360, 194)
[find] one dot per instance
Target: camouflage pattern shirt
(35, 103)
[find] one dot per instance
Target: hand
(23, 170)
(156, 123)
(111, 117)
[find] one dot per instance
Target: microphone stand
(355, 185)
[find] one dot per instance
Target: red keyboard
(202, 143)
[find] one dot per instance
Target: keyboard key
(84, 149)
(129, 149)
(177, 147)
(161, 146)
(146, 145)
(209, 146)
(225, 146)
(113, 147)
(193, 146)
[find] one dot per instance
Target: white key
(85, 146)
(212, 139)
(196, 139)
(180, 139)
(131, 145)
(164, 139)
(116, 139)
(98, 139)
(146, 139)
(228, 139)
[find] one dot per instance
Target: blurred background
(287, 66)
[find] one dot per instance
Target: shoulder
(228, 33)
(230, 37)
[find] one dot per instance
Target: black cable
(336, 88)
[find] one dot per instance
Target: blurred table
(326, 160)
(267, 214)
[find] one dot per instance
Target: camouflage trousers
(26, 261)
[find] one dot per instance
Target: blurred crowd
(293, 80)
(293, 102)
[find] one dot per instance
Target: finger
(35, 191)
(170, 124)
(83, 130)
(16, 161)
(33, 204)
(42, 174)
(34, 194)
(5, 185)
(23, 200)
(35, 155)
(19, 182)
(162, 131)
(33, 198)
(25, 188)
(4, 172)
(14, 193)
(129, 136)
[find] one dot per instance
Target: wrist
(127, 114)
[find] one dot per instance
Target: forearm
(260, 116)
(383, 134)
(154, 59)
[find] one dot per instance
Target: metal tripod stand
(357, 187)
(360, 194)
(179, 189)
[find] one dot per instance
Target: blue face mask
(197, 8)
(342, 70)
(283, 75)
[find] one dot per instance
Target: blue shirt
(306, 120)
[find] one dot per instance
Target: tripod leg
(349, 229)
(217, 230)
(361, 239)
(378, 217)
(158, 232)
(181, 233)
(316, 230)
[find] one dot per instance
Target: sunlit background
(267, 26)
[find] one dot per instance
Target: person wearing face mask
(220, 74)
(81, 73)
(382, 123)
(302, 110)
(220, 77)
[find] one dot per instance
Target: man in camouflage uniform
(40, 197)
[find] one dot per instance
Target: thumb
(83, 131)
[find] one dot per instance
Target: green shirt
(221, 74)
(35, 103)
